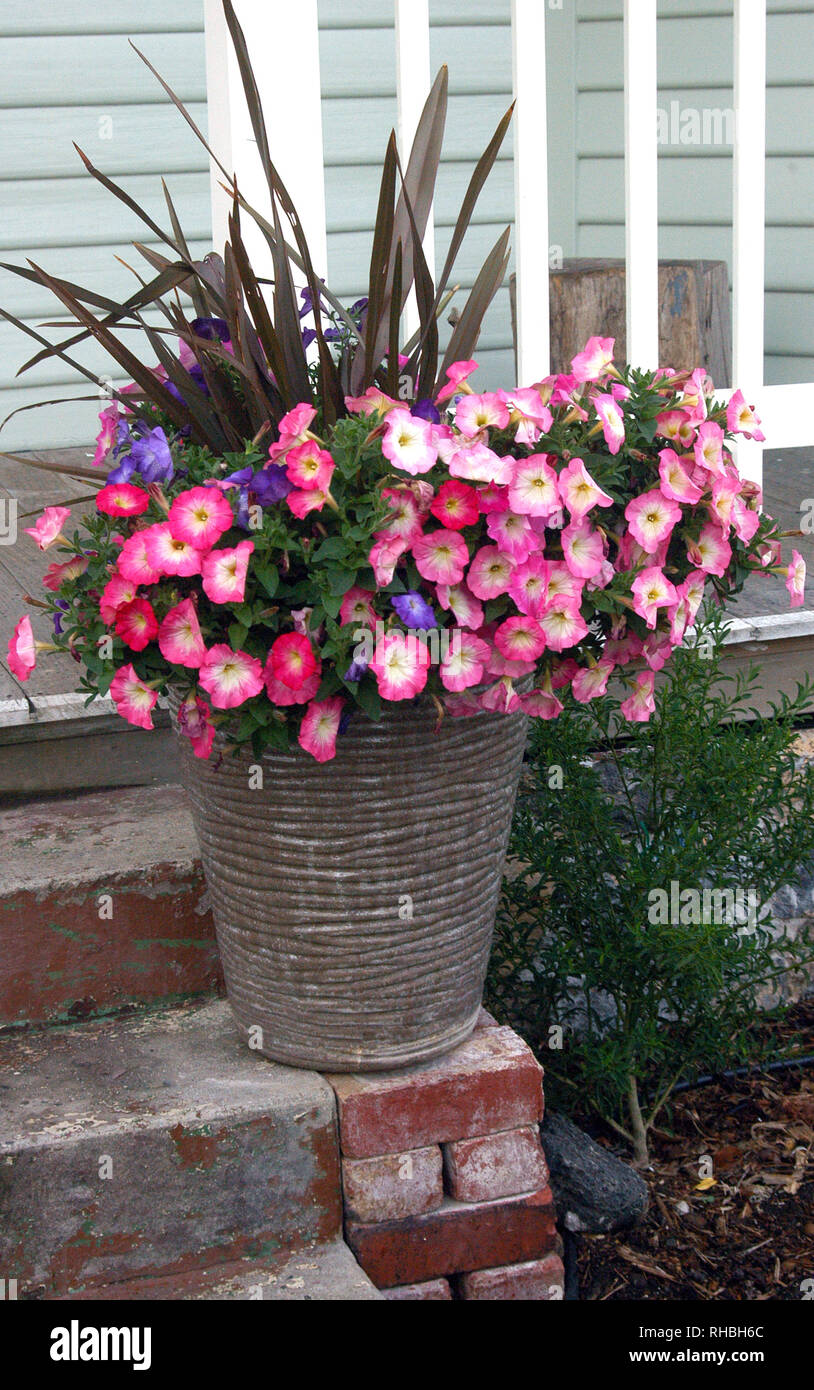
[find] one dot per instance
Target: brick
(432, 1290)
(495, 1165)
(491, 1082)
(534, 1280)
(485, 1020)
(457, 1238)
(394, 1185)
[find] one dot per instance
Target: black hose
(784, 1065)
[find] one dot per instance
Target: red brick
(433, 1289)
(532, 1281)
(456, 1238)
(485, 1020)
(491, 1082)
(394, 1185)
(495, 1165)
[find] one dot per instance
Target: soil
(731, 1184)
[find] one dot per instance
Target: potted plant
(354, 576)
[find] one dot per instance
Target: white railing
(291, 94)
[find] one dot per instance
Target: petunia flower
(533, 488)
(400, 664)
(48, 527)
(709, 447)
(796, 579)
(117, 592)
(475, 413)
(528, 412)
(591, 681)
(711, 552)
(122, 499)
(594, 360)
(441, 556)
(528, 586)
(490, 572)
(674, 425)
(152, 458)
(578, 490)
(195, 723)
(473, 460)
(283, 695)
(612, 421)
(405, 514)
(200, 516)
(513, 534)
(179, 636)
(639, 706)
(292, 659)
(134, 562)
(583, 549)
(461, 602)
(308, 466)
(133, 698)
(223, 572)
(106, 437)
(676, 482)
(652, 591)
(463, 663)
(457, 375)
(455, 505)
(136, 624)
(651, 518)
(384, 555)
(320, 727)
(409, 442)
(357, 607)
(304, 500)
(414, 610)
(540, 704)
(168, 554)
(741, 418)
(22, 650)
(230, 678)
(562, 624)
(520, 638)
(58, 574)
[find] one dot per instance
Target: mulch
(731, 1194)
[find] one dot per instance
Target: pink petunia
(533, 489)
(796, 579)
(475, 413)
(136, 624)
(230, 678)
(612, 421)
(106, 437)
(563, 624)
(651, 518)
(117, 592)
(591, 681)
(528, 413)
(224, 572)
(456, 376)
(168, 554)
(195, 723)
(561, 583)
(58, 574)
(594, 360)
(472, 459)
(741, 418)
(134, 562)
(134, 700)
(200, 516)
(493, 498)
(296, 423)
(357, 607)
(541, 704)
(179, 636)
(676, 482)
(409, 442)
(490, 572)
(514, 535)
(400, 664)
(22, 650)
(308, 466)
(583, 549)
(385, 554)
(652, 591)
(745, 520)
(638, 708)
(709, 447)
(462, 665)
(461, 602)
(658, 647)
(122, 499)
(579, 491)
(455, 505)
(711, 552)
(320, 727)
(304, 500)
(441, 556)
(674, 425)
(48, 527)
(520, 638)
(283, 695)
(292, 659)
(528, 586)
(405, 514)
(373, 402)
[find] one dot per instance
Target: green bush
(614, 823)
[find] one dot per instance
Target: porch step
(158, 1147)
(102, 905)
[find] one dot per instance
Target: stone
(156, 1145)
(495, 1165)
(534, 1280)
(490, 1082)
(457, 1238)
(102, 906)
(394, 1185)
(593, 1189)
(434, 1290)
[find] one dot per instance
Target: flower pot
(354, 901)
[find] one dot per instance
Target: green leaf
(269, 577)
(238, 633)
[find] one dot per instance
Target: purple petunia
(413, 610)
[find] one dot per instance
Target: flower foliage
(490, 550)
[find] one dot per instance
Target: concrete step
(157, 1146)
(102, 905)
(319, 1273)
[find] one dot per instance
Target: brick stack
(445, 1184)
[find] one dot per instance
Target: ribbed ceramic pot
(354, 900)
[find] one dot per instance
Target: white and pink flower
(223, 573)
(179, 636)
(594, 360)
(48, 527)
(563, 624)
(320, 727)
(168, 554)
(520, 638)
(200, 516)
(639, 706)
(409, 442)
(475, 413)
(651, 591)
(533, 488)
(583, 549)
(591, 681)
(136, 624)
(490, 573)
(400, 664)
(441, 556)
(711, 552)
(651, 518)
(464, 661)
(134, 698)
(230, 678)
(579, 491)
